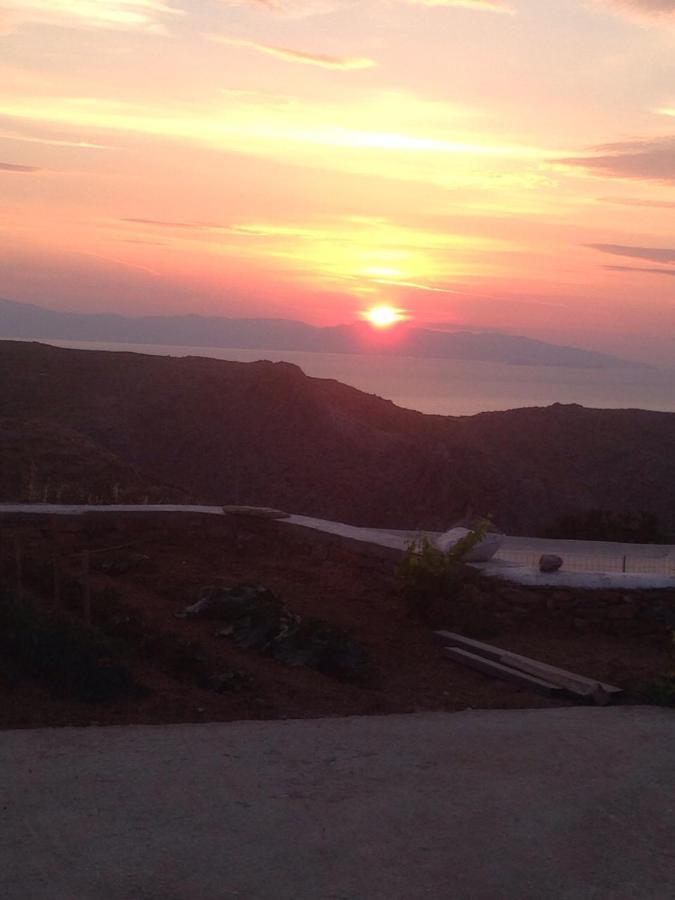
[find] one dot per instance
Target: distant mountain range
(79, 425)
(26, 321)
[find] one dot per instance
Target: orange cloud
(650, 159)
(657, 8)
(298, 56)
(120, 15)
(499, 6)
(12, 167)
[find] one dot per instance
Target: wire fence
(577, 562)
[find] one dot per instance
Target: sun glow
(383, 316)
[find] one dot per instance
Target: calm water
(454, 387)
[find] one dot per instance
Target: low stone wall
(502, 605)
(482, 599)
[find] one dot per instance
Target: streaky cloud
(650, 270)
(637, 201)
(497, 6)
(115, 15)
(291, 55)
(302, 8)
(159, 223)
(658, 10)
(52, 142)
(654, 254)
(293, 9)
(651, 159)
(415, 285)
(12, 167)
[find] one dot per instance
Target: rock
(227, 604)
(318, 645)
(228, 682)
(121, 564)
(483, 551)
(549, 562)
(261, 624)
(257, 620)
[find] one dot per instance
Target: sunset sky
(476, 163)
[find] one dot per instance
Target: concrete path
(588, 564)
(565, 803)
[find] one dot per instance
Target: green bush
(72, 659)
(427, 574)
(661, 691)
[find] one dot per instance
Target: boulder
(318, 645)
(484, 550)
(227, 682)
(549, 562)
(227, 604)
(256, 620)
(256, 628)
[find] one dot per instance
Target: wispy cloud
(638, 201)
(652, 159)
(498, 6)
(305, 8)
(11, 167)
(295, 9)
(415, 285)
(305, 131)
(653, 254)
(297, 56)
(53, 142)
(160, 223)
(119, 15)
(656, 10)
(651, 270)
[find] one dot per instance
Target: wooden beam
(506, 673)
(571, 681)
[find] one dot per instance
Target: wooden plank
(458, 640)
(506, 673)
(533, 666)
(577, 684)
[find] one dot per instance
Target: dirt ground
(152, 573)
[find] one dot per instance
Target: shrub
(427, 574)
(661, 691)
(71, 658)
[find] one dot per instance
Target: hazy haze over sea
(453, 387)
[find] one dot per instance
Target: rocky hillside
(264, 433)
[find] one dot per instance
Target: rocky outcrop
(257, 620)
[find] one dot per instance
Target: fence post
(624, 565)
(86, 588)
(56, 580)
(18, 562)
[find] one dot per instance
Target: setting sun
(383, 316)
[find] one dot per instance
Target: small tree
(427, 574)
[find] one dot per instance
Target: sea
(452, 387)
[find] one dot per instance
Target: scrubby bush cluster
(71, 659)
(427, 575)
